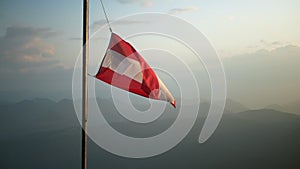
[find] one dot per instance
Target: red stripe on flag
(121, 81)
(150, 81)
(150, 86)
(124, 48)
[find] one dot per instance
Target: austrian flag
(123, 67)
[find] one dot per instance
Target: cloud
(102, 22)
(264, 77)
(231, 18)
(24, 49)
(177, 11)
(143, 3)
(75, 38)
(19, 31)
(272, 45)
(268, 45)
(28, 64)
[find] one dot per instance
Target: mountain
(35, 116)
(276, 107)
(293, 107)
(5, 102)
(46, 134)
(232, 106)
(269, 117)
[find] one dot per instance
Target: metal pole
(85, 49)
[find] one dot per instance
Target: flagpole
(85, 49)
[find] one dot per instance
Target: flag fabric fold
(123, 67)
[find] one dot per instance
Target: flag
(123, 67)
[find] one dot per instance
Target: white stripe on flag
(166, 93)
(123, 65)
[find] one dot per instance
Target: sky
(258, 42)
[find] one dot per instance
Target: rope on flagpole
(106, 16)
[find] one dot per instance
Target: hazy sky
(258, 40)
